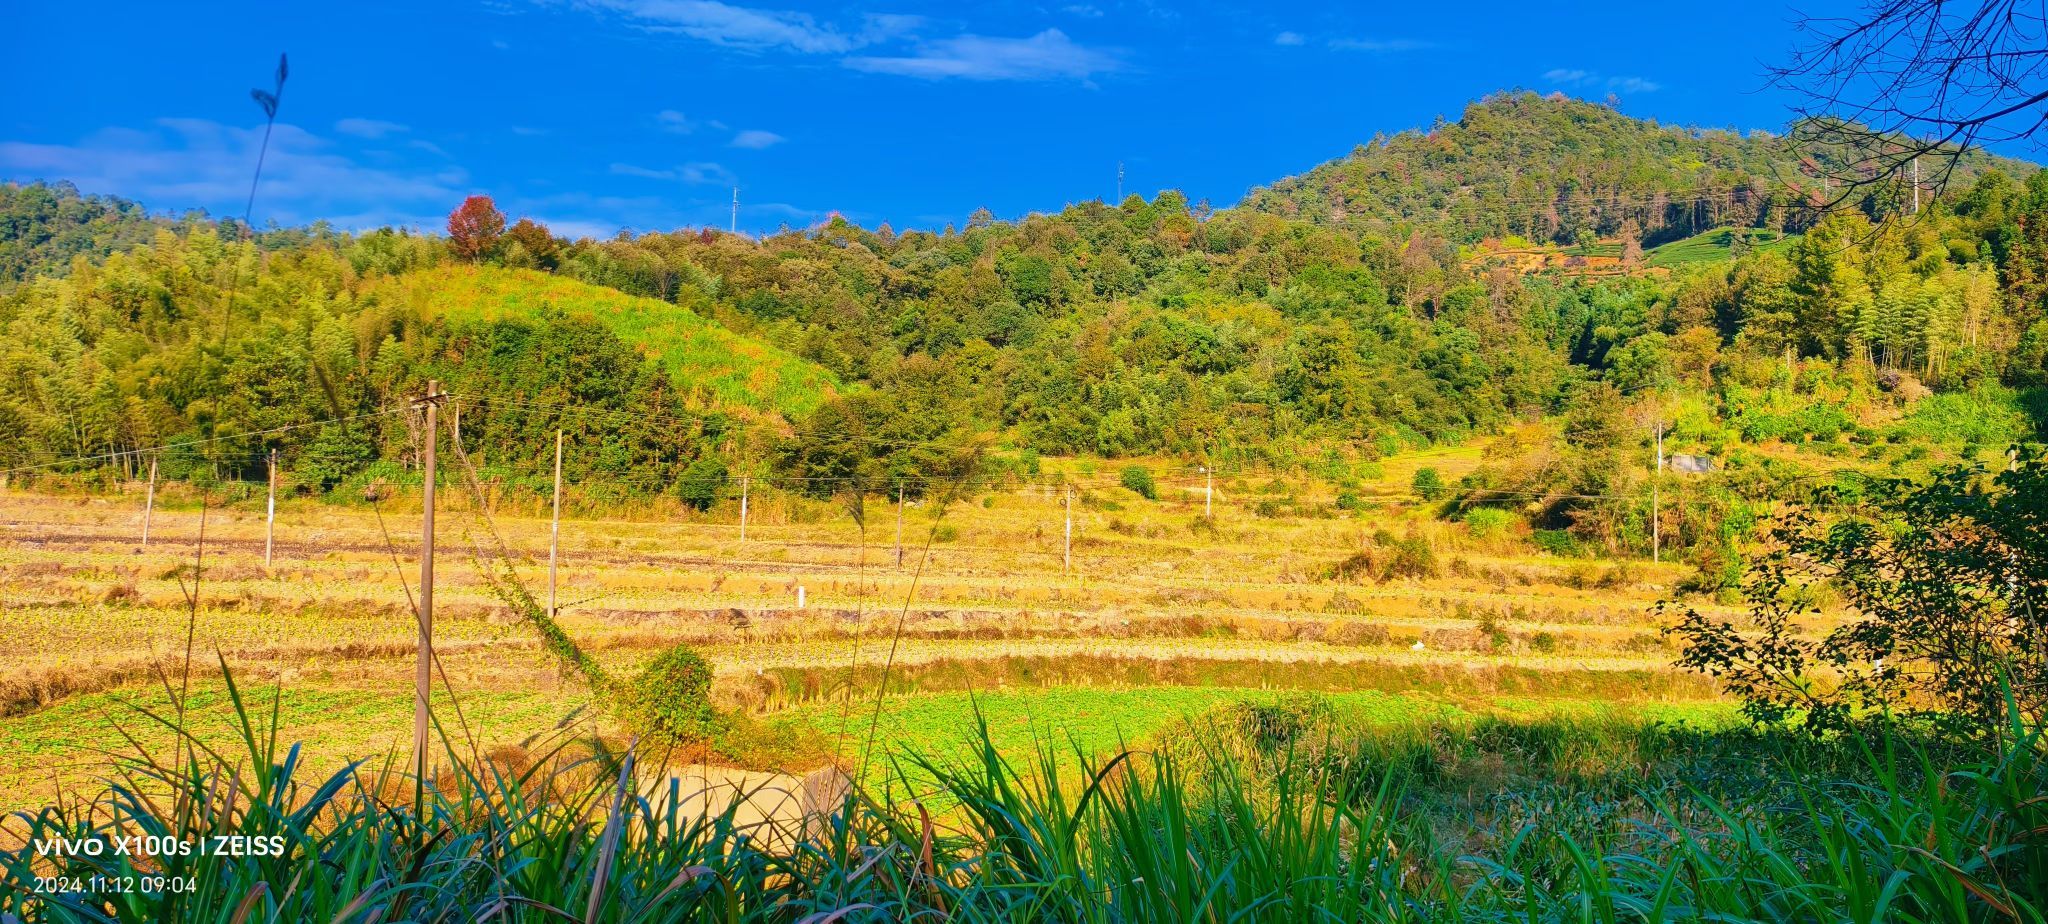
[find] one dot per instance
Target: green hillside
(44, 225)
(697, 351)
(1551, 169)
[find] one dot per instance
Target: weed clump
(1386, 558)
(1138, 480)
(671, 699)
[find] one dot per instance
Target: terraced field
(1164, 612)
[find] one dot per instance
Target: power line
(187, 444)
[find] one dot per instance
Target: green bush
(1987, 414)
(1556, 541)
(671, 699)
(1139, 480)
(702, 483)
(1488, 522)
(1429, 484)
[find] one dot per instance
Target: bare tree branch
(1910, 80)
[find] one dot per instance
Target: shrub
(1488, 522)
(701, 483)
(1357, 566)
(945, 532)
(1429, 484)
(1944, 579)
(1139, 480)
(1557, 542)
(671, 699)
(1413, 557)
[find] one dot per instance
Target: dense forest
(1297, 329)
(1562, 170)
(43, 226)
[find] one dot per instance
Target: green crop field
(1713, 245)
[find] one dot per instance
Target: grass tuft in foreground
(1279, 811)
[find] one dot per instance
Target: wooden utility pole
(270, 512)
(899, 527)
(149, 501)
(423, 675)
(1656, 518)
(555, 524)
(1067, 559)
(744, 479)
(1916, 185)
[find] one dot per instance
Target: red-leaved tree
(474, 227)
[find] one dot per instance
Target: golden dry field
(1164, 611)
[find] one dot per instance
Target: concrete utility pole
(744, 479)
(270, 512)
(555, 524)
(423, 674)
(899, 527)
(735, 210)
(1119, 183)
(149, 502)
(1656, 520)
(1067, 561)
(1208, 492)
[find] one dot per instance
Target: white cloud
(1576, 77)
(1050, 54)
(705, 172)
(574, 229)
(645, 173)
(527, 131)
(784, 209)
(756, 139)
(674, 122)
(694, 173)
(179, 164)
(1289, 39)
(1380, 46)
(1045, 56)
(368, 128)
(744, 27)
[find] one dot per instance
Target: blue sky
(593, 115)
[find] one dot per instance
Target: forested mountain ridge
(1556, 169)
